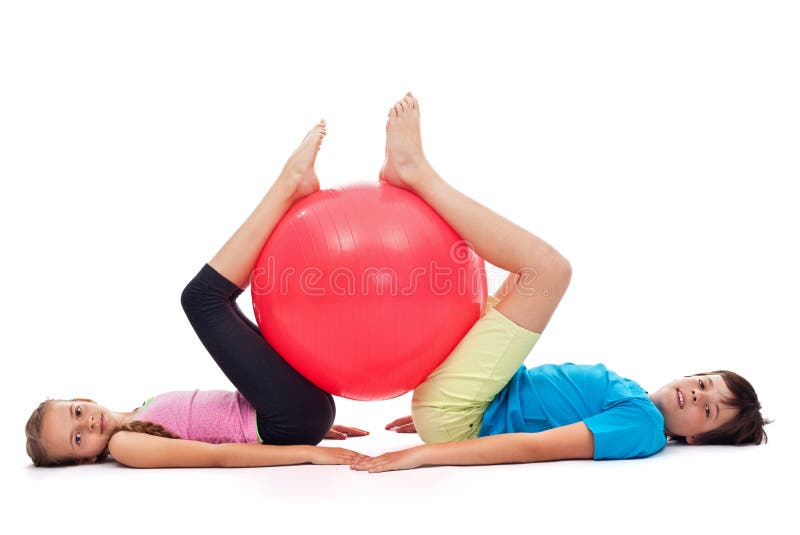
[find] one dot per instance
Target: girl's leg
(235, 260)
(290, 409)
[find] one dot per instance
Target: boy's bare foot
(299, 169)
(405, 162)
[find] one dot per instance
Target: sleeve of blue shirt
(626, 430)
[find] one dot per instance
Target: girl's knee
(192, 298)
(198, 297)
(208, 289)
(187, 297)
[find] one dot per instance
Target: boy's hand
(402, 425)
(341, 432)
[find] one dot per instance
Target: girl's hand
(402, 425)
(396, 460)
(322, 455)
(341, 432)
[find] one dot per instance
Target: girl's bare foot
(299, 169)
(405, 162)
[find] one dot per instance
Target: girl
(273, 405)
(481, 391)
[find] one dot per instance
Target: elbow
(132, 461)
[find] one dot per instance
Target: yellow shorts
(450, 403)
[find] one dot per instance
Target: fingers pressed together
(396, 460)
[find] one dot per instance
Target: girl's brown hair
(41, 457)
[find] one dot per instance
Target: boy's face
(694, 405)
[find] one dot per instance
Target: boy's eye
(78, 439)
(78, 411)
(702, 384)
(708, 411)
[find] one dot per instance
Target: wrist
(423, 455)
(307, 453)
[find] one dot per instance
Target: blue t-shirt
(617, 411)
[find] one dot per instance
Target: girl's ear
(690, 440)
(87, 400)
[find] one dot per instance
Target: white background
(654, 144)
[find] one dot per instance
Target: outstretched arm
(140, 450)
(573, 441)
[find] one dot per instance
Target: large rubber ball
(366, 289)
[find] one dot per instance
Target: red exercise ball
(366, 289)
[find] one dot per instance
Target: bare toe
(299, 169)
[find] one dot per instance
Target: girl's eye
(78, 439)
(78, 411)
(702, 384)
(708, 411)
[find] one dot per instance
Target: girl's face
(693, 405)
(77, 429)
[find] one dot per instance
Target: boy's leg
(449, 404)
(539, 274)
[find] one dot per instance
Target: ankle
(418, 174)
(287, 184)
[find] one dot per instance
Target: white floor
(683, 488)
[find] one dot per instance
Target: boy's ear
(87, 400)
(690, 440)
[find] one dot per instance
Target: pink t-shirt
(215, 416)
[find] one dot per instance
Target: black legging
(289, 408)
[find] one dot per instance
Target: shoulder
(635, 408)
(631, 428)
